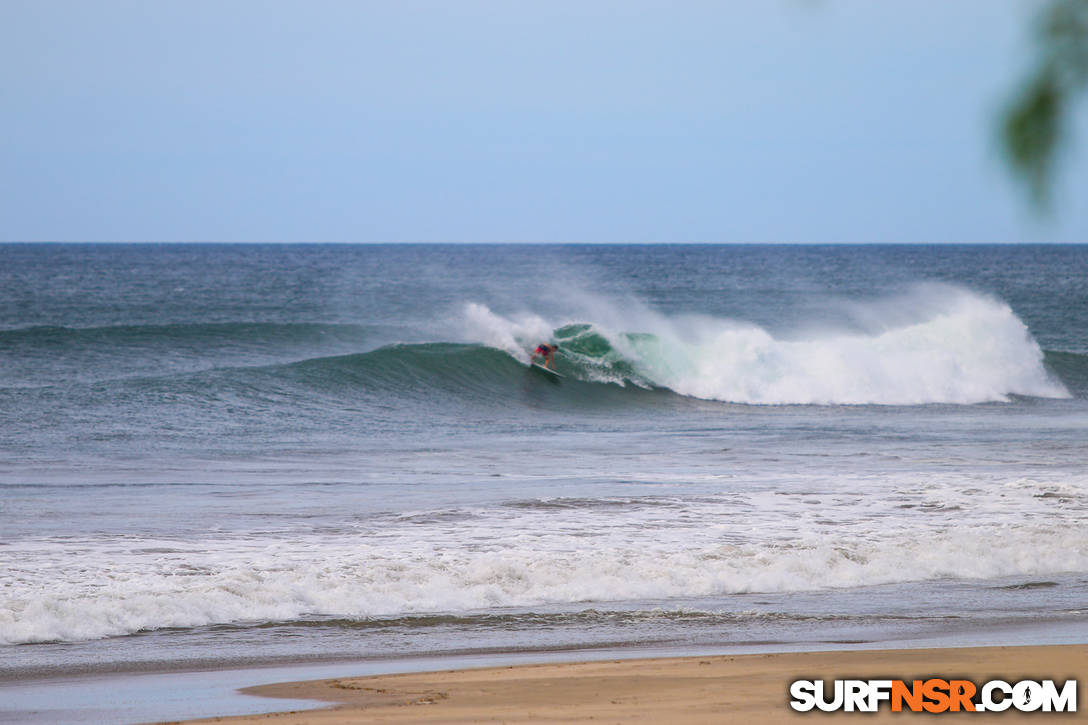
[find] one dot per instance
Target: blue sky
(625, 121)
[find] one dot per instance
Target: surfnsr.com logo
(933, 695)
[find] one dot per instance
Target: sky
(800, 121)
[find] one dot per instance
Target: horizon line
(538, 243)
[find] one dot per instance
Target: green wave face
(589, 352)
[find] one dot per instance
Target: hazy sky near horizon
(584, 120)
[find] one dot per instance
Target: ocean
(224, 455)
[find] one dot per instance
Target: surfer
(545, 351)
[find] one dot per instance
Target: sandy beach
(718, 689)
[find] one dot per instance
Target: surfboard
(547, 371)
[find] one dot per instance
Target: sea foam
(544, 553)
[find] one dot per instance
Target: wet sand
(748, 689)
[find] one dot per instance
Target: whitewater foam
(565, 553)
(932, 344)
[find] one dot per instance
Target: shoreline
(181, 693)
(165, 691)
(86, 659)
(691, 689)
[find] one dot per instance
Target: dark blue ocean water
(262, 452)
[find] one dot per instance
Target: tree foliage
(1035, 125)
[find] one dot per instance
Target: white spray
(935, 344)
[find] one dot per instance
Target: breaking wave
(936, 344)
